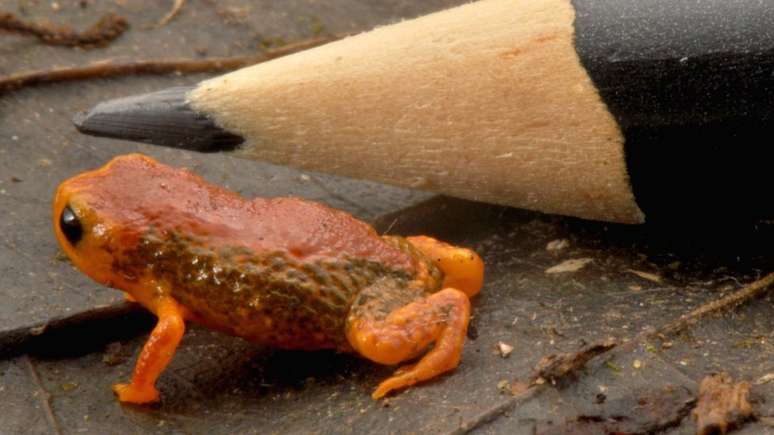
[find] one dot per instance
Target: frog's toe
(463, 269)
(129, 393)
(404, 377)
(392, 384)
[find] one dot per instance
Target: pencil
(610, 110)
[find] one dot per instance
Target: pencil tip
(161, 118)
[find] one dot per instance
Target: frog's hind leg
(156, 354)
(441, 318)
(463, 269)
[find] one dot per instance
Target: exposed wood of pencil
(487, 101)
(108, 68)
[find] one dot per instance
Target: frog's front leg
(404, 333)
(156, 353)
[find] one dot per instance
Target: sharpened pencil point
(160, 118)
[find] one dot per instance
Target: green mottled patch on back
(270, 297)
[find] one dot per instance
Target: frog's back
(279, 271)
(141, 194)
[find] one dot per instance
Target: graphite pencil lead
(159, 118)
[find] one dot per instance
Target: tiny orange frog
(281, 271)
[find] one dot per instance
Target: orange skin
(283, 272)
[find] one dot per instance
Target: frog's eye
(70, 225)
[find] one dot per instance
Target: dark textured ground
(66, 340)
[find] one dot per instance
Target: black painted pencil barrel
(691, 85)
(688, 86)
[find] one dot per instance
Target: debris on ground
(115, 354)
(519, 388)
(172, 13)
(555, 367)
(749, 292)
(103, 32)
(572, 265)
(504, 349)
(765, 379)
(557, 245)
(642, 412)
(722, 405)
(108, 68)
(646, 275)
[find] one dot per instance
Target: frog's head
(99, 216)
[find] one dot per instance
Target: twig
(554, 368)
(493, 413)
(549, 371)
(104, 31)
(108, 68)
(749, 292)
(172, 13)
(569, 363)
(45, 396)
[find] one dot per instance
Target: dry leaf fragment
(646, 275)
(572, 265)
(765, 379)
(557, 245)
(519, 388)
(722, 404)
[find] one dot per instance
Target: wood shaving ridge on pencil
(104, 31)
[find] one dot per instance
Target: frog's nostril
(70, 225)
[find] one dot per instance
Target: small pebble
(557, 245)
(765, 379)
(504, 349)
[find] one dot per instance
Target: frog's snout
(74, 228)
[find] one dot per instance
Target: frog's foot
(441, 318)
(463, 269)
(156, 354)
(136, 394)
